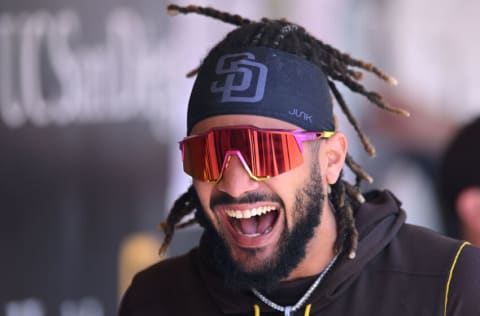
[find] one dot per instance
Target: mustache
(223, 198)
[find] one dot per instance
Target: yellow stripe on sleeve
(450, 275)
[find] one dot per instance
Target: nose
(236, 180)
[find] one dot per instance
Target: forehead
(241, 119)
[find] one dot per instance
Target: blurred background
(93, 101)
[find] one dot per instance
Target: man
(284, 233)
(459, 184)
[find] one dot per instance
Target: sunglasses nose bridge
(228, 161)
(236, 178)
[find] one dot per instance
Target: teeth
(248, 235)
(249, 213)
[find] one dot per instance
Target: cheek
(204, 192)
(287, 186)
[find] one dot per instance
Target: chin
(254, 260)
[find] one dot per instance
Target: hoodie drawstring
(256, 309)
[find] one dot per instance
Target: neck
(320, 249)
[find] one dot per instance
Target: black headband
(261, 81)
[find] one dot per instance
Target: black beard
(292, 244)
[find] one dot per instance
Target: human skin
(468, 212)
(251, 253)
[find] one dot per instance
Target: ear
(468, 207)
(335, 153)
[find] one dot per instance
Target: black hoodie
(400, 269)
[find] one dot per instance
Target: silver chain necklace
(287, 310)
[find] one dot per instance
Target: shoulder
(426, 245)
(420, 251)
(450, 265)
(463, 285)
(161, 288)
(165, 276)
(171, 268)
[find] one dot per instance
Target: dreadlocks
(338, 67)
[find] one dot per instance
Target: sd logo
(244, 79)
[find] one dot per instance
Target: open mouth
(253, 222)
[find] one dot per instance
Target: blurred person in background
(428, 46)
(284, 232)
(459, 183)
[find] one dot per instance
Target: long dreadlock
(338, 67)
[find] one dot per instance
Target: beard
(291, 245)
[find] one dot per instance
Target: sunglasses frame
(300, 137)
